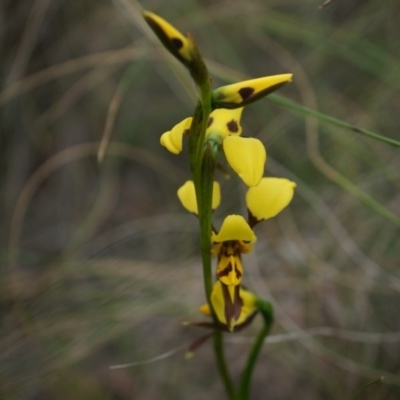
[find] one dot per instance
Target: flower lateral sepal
(243, 93)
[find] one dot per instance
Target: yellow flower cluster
(266, 197)
(233, 306)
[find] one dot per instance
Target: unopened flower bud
(242, 93)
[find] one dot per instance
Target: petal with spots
(223, 123)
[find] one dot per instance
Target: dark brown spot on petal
(246, 92)
(178, 44)
(186, 132)
(210, 121)
(233, 126)
(229, 268)
(225, 271)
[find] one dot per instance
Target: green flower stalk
(215, 128)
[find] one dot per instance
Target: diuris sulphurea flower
(246, 156)
(236, 237)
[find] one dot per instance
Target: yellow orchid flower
(246, 156)
(187, 196)
(269, 198)
(243, 93)
(232, 316)
(174, 41)
(234, 238)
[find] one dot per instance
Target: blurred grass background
(100, 264)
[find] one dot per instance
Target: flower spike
(242, 93)
(269, 198)
(174, 41)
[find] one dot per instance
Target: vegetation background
(99, 262)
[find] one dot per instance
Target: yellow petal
(270, 197)
(247, 157)
(218, 303)
(170, 37)
(172, 140)
(248, 305)
(165, 140)
(187, 196)
(224, 122)
(243, 93)
(216, 199)
(234, 227)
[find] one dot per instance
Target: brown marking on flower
(233, 126)
(229, 310)
(246, 92)
(177, 43)
(210, 121)
(237, 303)
(227, 270)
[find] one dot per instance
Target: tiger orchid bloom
(246, 156)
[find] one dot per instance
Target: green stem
(206, 180)
(222, 367)
(244, 388)
(203, 168)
